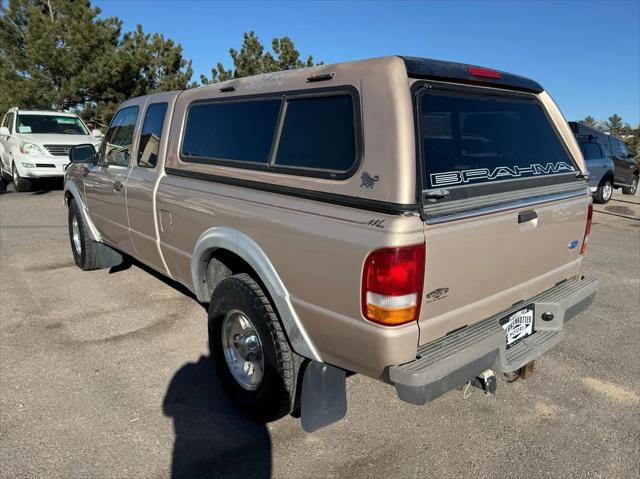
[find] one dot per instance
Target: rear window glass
(318, 133)
(469, 139)
(590, 151)
(235, 131)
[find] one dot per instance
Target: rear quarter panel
(318, 250)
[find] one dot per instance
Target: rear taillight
(587, 229)
(392, 285)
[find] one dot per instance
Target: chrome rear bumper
(451, 361)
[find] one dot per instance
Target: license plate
(518, 325)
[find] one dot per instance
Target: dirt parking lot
(107, 374)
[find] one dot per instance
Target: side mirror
(4, 131)
(96, 134)
(82, 153)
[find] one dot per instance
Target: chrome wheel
(634, 185)
(242, 350)
(75, 235)
(607, 191)
(16, 176)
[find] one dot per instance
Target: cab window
(119, 137)
(150, 137)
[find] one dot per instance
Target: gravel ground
(107, 374)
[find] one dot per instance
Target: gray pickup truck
(416, 221)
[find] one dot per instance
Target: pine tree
(614, 124)
(57, 54)
(287, 57)
(252, 59)
(590, 121)
(49, 50)
(141, 64)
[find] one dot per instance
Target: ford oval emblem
(574, 244)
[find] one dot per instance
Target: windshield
(473, 138)
(51, 124)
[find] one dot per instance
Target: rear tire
(604, 192)
(19, 183)
(631, 190)
(272, 395)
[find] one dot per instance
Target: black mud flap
(324, 396)
(107, 256)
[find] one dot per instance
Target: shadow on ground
(212, 438)
(42, 186)
(129, 261)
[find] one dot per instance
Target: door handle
(527, 216)
(117, 186)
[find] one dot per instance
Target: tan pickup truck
(417, 221)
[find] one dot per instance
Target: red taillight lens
(392, 285)
(587, 229)
(484, 72)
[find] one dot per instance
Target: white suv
(35, 144)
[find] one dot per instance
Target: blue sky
(585, 53)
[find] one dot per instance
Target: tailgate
(480, 266)
(504, 202)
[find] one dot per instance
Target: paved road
(106, 374)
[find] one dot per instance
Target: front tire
(604, 192)
(19, 183)
(5, 175)
(631, 189)
(82, 246)
(251, 353)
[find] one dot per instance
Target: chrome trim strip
(525, 202)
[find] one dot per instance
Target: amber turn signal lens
(390, 317)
